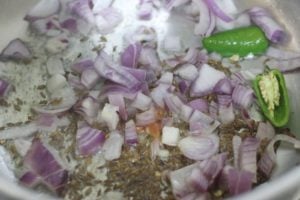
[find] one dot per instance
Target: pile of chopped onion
(141, 90)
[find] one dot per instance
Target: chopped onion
(241, 20)
(242, 96)
(5, 87)
(207, 78)
(113, 146)
(89, 140)
(110, 116)
(224, 86)
(263, 19)
(199, 147)
(131, 137)
(88, 107)
(16, 50)
(55, 66)
(222, 8)
(147, 117)
(83, 9)
(248, 151)
(43, 9)
(237, 181)
(55, 83)
(199, 104)
(18, 131)
(82, 65)
(157, 94)
(187, 72)
(29, 179)
(236, 144)
(89, 78)
(166, 78)
(268, 159)
(281, 54)
(155, 148)
(265, 131)
(206, 19)
(170, 135)
(141, 102)
(70, 25)
(226, 112)
(107, 19)
(130, 56)
(42, 162)
(57, 44)
(118, 101)
(145, 9)
(117, 74)
(172, 44)
(170, 4)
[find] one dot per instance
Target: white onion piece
(19, 131)
(199, 147)
(99, 5)
(22, 145)
(113, 146)
(157, 94)
(170, 4)
(155, 148)
(207, 78)
(88, 108)
(43, 9)
(284, 65)
(82, 65)
(110, 116)
(185, 112)
(281, 54)
(226, 114)
(149, 58)
(199, 104)
(187, 71)
(265, 131)
(16, 50)
(131, 137)
(166, 78)
(56, 82)
(55, 66)
(89, 78)
(57, 44)
(172, 44)
(242, 20)
(236, 143)
(107, 19)
(170, 136)
(141, 102)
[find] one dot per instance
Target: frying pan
(285, 181)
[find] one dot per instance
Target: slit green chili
(272, 95)
(240, 41)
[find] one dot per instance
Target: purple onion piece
(89, 140)
(130, 56)
(70, 24)
(5, 87)
(88, 107)
(262, 18)
(248, 154)
(145, 10)
(89, 78)
(217, 10)
(82, 9)
(223, 87)
(29, 179)
(107, 20)
(107, 69)
(147, 117)
(242, 96)
(199, 104)
(131, 137)
(41, 162)
(118, 101)
(16, 50)
(82, 65)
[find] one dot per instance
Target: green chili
(272, 96)
(240, 41)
